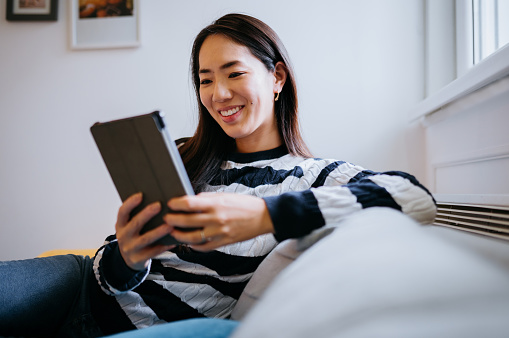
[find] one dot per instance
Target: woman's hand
(223, 219)
(137, 249)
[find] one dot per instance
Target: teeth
(229, 112)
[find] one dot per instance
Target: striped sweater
(302, 195)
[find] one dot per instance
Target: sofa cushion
(380, 274)
(284, 254)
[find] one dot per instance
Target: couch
(380, 274)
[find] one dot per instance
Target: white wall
(359, 68)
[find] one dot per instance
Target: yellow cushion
(82, 252)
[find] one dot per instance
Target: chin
(234, 133)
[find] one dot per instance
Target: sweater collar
(258, 156)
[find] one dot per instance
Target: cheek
(207, 102)
(205, 99)
(251, 92)
(202, 97)
(264, 91)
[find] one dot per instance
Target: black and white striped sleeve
(112, 273)
(342, 189)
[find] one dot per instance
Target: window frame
(465, 77)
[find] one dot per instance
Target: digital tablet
(141, 156)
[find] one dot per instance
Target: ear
(280, 74)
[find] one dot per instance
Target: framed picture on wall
(104, 24)
(32, 10)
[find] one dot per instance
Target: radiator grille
(487, 220)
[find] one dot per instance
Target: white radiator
(487, 220)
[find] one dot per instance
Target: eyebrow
(225, 66)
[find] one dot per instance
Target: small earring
(277, 96)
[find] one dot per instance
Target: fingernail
(155, 206)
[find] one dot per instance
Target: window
(466, 48)
(482, 27)
(490, 27)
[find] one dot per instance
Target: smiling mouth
(230, 112)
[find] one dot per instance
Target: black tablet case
(141, 156)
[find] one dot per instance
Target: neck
(255, 145)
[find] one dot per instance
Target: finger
(147, 240)
(204, 247)
(189, 220)
(125, 210)
(140, 219)
(189, 237)
(196, 237)
(140, 249)
(194, 204)
(207, 246)
(141, 258)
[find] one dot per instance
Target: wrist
(267, 226)
(133, 266)
(116, 271)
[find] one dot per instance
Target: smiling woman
(200, 155)
(257, 185)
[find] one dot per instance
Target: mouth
(230, 112)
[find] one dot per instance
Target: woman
(259, 185)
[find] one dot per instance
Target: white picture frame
(104, 32)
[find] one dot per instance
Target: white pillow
(284, 254)
(380, 274)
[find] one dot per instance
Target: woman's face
(238, 92)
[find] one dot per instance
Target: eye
(205, 82)
(235, 74)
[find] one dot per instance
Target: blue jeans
(50, 297)
(189, 328)
(47, 297)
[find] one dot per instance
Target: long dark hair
(205, 151)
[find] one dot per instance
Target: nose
(221, 92)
